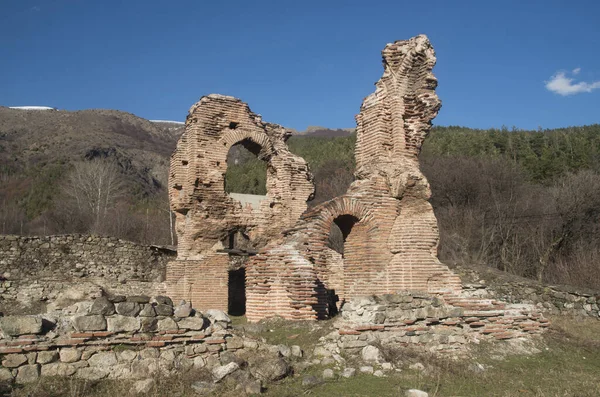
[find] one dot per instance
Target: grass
(568, 365)
(278, 331)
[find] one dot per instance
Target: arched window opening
(246, 171)
(339, 231)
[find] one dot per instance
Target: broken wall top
(205, 213)
(396, 118)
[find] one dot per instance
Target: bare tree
(94, 187)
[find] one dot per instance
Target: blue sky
(299, 63)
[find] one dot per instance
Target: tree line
(525, 202)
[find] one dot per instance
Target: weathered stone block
(296, 351)
(348, 372)
(149, 353)
(103, 359)
(144, 368)
(14, 360)
(93, 322)
(223, 370)
(147, 311)
(149, 324)
(45, 357)
(118, 323)
(130, 309)
(102, 306)
(184, 309)
(21, 325)
(163, 310)
(215, 315)
(371, 354)
(193, 323)
(58, 369)
(69, 355)
(166, 324)
(5, 375)
(28, 373)
(162, 300)
(92, 373)
(142, 299)
(127, 356)
(270, 369)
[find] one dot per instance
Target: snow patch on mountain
(167, 121)
(32, 107)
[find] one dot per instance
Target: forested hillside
(100, 171)
(527, 202)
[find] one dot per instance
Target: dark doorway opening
(237, 292)
(340, 229)
(339, 232)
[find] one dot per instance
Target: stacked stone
(117, 337)
(432, 322)
(552, 299)
(205, 214)
(81, 256)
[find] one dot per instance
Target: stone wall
(435, 323)
(552, 299)
(119, 337)
(39, 269)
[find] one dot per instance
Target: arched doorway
(339, 231)
(245, 181)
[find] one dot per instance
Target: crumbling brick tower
(209, 222)
(389, 229)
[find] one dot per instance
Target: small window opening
(233, 125)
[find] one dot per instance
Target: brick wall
(206, 215)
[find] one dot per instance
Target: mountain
(38, 148)
(324, 132)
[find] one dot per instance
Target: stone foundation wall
(37, 270)
(119, 338)
(551, 299)
(25, 257)
(435, 323)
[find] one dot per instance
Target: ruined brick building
(212, 225)
(389, 229)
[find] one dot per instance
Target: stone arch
(326, 215)
(235, 136)
(352, 272)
